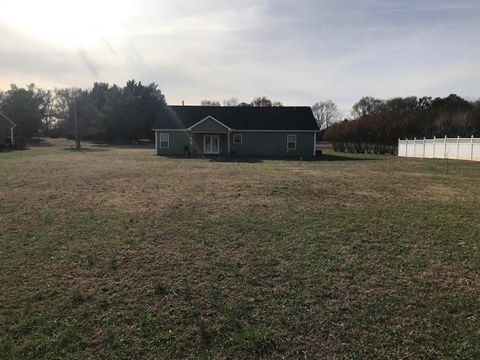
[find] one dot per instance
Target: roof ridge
(243, 107)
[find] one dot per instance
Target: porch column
(11, 136)
(156, 141)
(190, 143)
(228, 143)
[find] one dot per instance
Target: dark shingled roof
(241, 117)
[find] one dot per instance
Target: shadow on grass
(334, 157)
(250, 160)
(13, 150)
(324, 157)
(219, 159)
(85, 149)
(123, 146)
(255, 160)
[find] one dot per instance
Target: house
(6, 130)
(243, 131)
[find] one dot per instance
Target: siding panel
(178, 139)
(273, 144)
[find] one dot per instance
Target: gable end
(209, 124)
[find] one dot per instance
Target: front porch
(210, 137)
(208, 144)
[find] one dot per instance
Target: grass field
(117, 253)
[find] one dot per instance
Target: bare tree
(231, 102)
(366, 106)
(64, 109)
(49, 118)
(206, 102)
(261, 101)
(326, 113)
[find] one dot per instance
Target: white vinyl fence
(441, 148)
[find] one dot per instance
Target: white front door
(211, 144)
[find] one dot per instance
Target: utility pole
(75, 119)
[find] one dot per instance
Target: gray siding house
(242, 131)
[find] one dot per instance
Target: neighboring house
(6, 130)
(237, 131)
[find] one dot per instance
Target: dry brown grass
(118, 253)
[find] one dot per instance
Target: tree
(403, 105)
(450, 116)
(49, 118)
(231, 102)
(111, 113)
(326, 113)
(456, 123)
(76, 103)
(209, 103)
(99, 94)
(474, 119)
(62, 108)
(261, 101)
(366, 106)
(27, 107)
(277, 104)
(379, 124)
(136, 106)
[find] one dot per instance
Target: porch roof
(209, 125)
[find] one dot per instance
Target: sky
(297, 51)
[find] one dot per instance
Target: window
(164, 140)
(237, 138)
(291, 142)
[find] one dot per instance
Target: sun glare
(65, 23)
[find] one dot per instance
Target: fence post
(424, 147)
(414, 147)
(445, 152)
(458, 146)
(471, 149)
(434, 141)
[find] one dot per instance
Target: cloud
(296, 52)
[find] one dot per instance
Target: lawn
(117, 253)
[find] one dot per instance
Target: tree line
(104, 112)
(376, 124)
(108, 112)
(123, 114)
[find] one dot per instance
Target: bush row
(365, 148)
